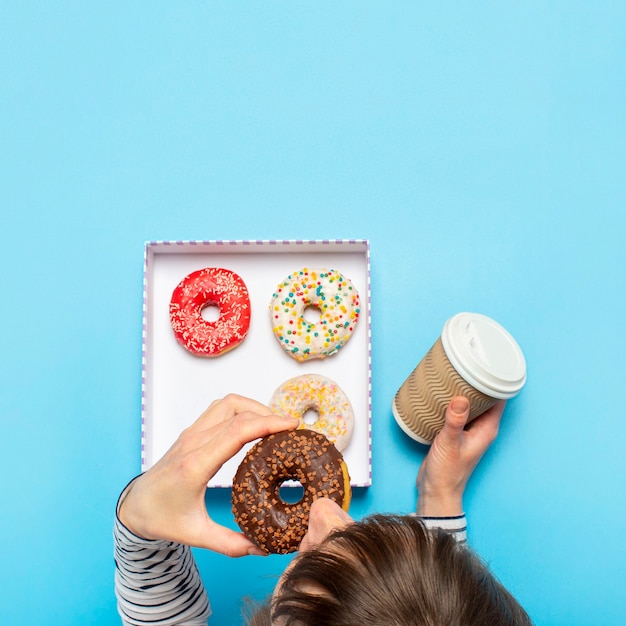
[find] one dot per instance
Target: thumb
(228, 542)
(457, 413)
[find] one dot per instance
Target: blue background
(480, 147)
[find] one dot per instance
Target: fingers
(485, 427)
(229, 406)
(325, 517)
(221, 414)
(242, 429)
(222, 431)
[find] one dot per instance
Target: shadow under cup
(474, 357)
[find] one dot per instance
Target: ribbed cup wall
(422, 400)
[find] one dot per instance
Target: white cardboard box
(177, 386)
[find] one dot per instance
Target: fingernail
(256, 552)
(459, 405)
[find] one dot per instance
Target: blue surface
(480, 148)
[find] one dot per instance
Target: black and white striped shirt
(157, 582)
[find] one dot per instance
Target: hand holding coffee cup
(474, 357)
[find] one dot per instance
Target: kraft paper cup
(474, 357)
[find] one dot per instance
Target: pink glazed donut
(210, 286)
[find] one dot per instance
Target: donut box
(177, 386)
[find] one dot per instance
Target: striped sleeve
(157, 583)
(455, 525)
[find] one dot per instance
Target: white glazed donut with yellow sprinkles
(319, 394)
(338, 304)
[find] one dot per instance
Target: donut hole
(291, 492)
(210, 312)
(312, 314)
(310, 416)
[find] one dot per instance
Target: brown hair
(390, 570)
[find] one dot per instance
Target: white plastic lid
(484, 354)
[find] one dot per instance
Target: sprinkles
(210, 286)
(333, 296)
(335, 417)
(304, 456)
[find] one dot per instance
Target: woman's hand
(452, 457)
(167, 502)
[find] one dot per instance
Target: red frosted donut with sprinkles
(338, 304)
(211, 286)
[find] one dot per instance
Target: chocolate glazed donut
(301, 455)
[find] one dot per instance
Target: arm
(156, 582)
(163, 512)
(454, 454)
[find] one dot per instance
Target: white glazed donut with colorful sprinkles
(326, 290)
(313, 392)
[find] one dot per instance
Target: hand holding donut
(454, 454)
(167, 502)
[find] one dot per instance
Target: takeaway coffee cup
(474, 357)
